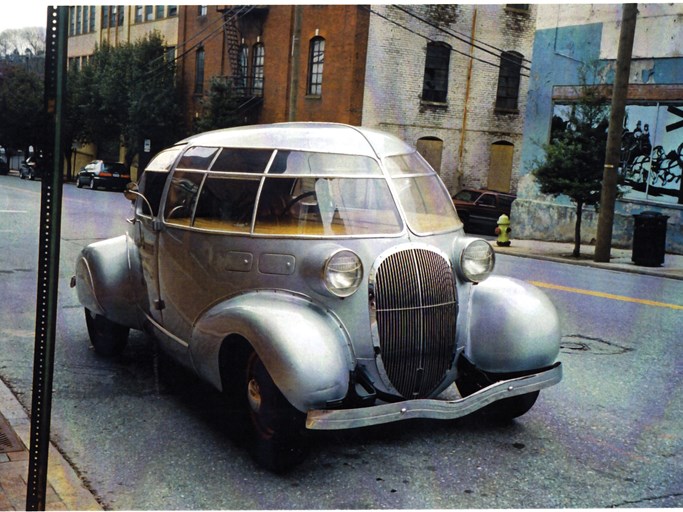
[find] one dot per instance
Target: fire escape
(248, 87)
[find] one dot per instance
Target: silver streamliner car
(319, 276)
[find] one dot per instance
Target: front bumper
(339, 419)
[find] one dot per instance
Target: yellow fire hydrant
(503, 231)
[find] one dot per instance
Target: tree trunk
(577, 229)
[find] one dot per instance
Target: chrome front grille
(414, 305)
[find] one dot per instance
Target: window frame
(316, 62)
(199, 69)
(258, 58)
(509, 81)
(436, 72)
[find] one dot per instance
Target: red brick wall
(345, 29)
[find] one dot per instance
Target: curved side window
(152, 182)
(181, 197)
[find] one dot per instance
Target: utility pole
(608, 194)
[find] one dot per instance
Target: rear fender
(108, 280)
(513, 327)
(304, 348)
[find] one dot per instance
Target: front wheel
(278, 437)
(92, 184)
(471, 379)
(108, 338)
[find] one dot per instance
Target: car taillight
(105, 174)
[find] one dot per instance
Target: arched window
(435, 84)
(257, 67)
(316, 59)
(507, 94)
(500, 167)
(243, 70)
(199, 72)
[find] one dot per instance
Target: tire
(108, 338)
(276, 430)
(92, 184)
(471, 379)
(78, 183)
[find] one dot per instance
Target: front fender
(304, 348)
(513, 327)
(107, 280)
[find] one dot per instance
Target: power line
(433, 41)
(461, 37)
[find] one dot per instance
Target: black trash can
(649, 239)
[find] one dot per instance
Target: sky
(23, 13)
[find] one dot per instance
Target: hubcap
(254, 395)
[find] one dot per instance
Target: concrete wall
(568, 37)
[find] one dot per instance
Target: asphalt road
(609, 435)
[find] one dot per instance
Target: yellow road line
(603, 295)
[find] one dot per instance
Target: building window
(138, 14)
(172, 11)
(243, 70)
(105, 16)
(316, 59)
(435, 85)
(199, 72)
(257, 66)
(149, 13)
(91, 26)
(160, 11)
(78, 20)
(508, 81)
(202, 10)
(72, 21)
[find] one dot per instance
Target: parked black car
(4, 162)
(99, 173)
(479, 210)
(31, 168)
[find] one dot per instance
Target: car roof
(306, 136)
(487, 191)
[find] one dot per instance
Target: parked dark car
(98, 173)
(4, 162)
(479, 210)
(31, 168)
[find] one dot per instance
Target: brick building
(452, 80)
(288, 62)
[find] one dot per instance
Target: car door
(147, 225)
(485, 212)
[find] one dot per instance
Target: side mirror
(131, 191)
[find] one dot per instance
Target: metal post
(48, 260)
(608, 194)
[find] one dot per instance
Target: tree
(220, 107)
(21, 104)
(124, 95)
(575, 156)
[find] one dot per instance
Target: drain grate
(9, 441)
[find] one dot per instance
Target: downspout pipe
(294, 63)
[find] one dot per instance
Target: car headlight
(343, 273)
(477, 260)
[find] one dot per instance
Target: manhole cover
(574, 343)
(9, 441)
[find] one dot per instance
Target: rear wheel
(92, 184)
(471, 379)
(108, 338)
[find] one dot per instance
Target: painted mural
(651, 151)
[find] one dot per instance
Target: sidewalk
(562, 252)
(65, 490)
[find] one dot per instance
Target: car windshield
(267, 192)
(468, 196)
(113, 167)
(425, 201)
